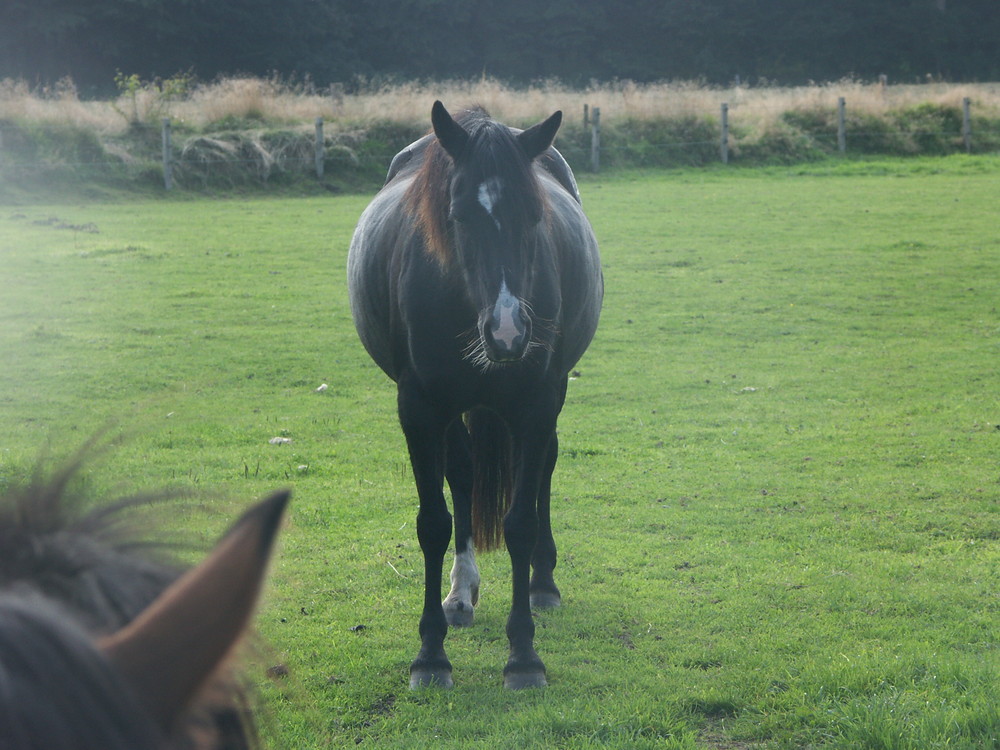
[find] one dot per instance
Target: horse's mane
(55, 542)
(427, 200)
(72, 571)
(494, 149)
(56, 691)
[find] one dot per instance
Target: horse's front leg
(524, 667)
(424, 428)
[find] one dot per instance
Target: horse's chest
(458, 389)
(437, 318)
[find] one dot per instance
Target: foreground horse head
(475, 284)
(102, 648)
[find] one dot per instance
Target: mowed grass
(778, 500)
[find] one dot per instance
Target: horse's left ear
(536, 140)
(170, 650)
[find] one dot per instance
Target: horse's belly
(368, 291)
(369, 284)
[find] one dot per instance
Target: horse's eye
(463, 210)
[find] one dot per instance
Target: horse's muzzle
(505, 328)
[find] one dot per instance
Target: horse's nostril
(506, 338)
(506, 328)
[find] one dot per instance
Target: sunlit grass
(778, 497)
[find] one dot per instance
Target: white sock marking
(464, 579)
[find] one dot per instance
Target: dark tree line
(346, 41)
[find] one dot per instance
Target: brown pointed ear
(536, 140)
(453, 137)
(170, 649)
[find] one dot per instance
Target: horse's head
(79, 668)
(495, 206)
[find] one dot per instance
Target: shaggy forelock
(492, 152)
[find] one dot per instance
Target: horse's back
(557, 166)
(409, 159)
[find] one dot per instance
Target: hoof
(523, 680)
(460, 604)
(459, 614)
(545, 599)
(421, 678)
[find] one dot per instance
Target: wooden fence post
(168, 157)
(586, 115)
(841, 125)
(595, 139)
(724, 141)
(320, 153)
(967, 125)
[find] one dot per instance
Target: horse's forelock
(494, 151)
(501, 157)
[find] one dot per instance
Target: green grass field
(778, 500)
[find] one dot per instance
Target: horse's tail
(491, 483)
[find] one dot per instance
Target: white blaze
(489, 196)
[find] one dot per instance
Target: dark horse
(103, 647)
(475, 284)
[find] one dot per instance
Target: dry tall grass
(57, 104)
(662, 100)
(247, 131)
(277, 102)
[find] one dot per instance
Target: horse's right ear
(453, 137)
(536, 140)
(170, 650)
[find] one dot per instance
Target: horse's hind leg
(521, 532)
(459, 605)
(544, 593)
